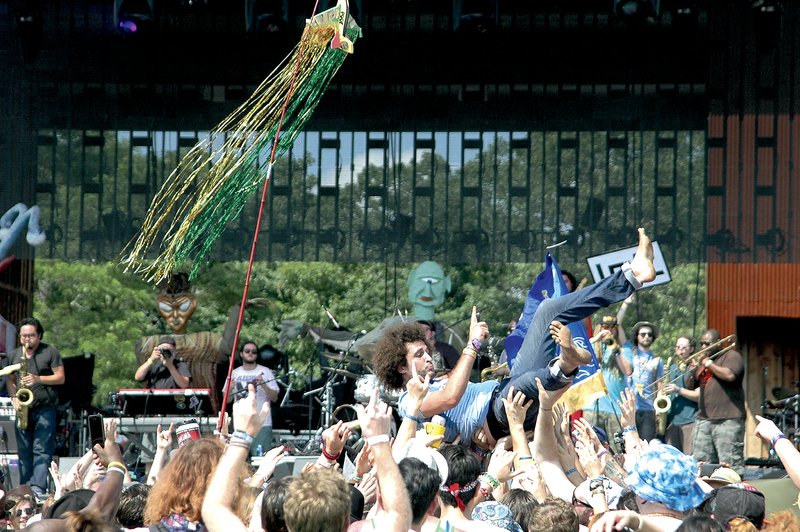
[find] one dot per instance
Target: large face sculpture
(176, 303)
(427, 286)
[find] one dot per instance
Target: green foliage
(95, 308)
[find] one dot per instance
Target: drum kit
(784, 411)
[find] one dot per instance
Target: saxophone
(24, 395)
(662, 403)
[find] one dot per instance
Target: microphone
(286, 397)
(335, 323)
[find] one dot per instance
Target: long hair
(182, 484)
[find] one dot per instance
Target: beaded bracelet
(242, 435)
(329, 456)
(356, 478)
(629, 429)
(780, 436)
(487, 495)
(468, 350)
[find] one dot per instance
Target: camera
(166, 353)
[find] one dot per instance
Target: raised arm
(447, 398)
(789, 456)
(218, 513)
(545, 446)
(375, 422)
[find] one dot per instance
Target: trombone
(651, 390)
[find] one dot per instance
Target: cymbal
(338, 357)
(782, 393)
(341, 372)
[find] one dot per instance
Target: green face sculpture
(427, 286)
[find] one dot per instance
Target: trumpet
(688, 365)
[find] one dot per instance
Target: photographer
(162, 369)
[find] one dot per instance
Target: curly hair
(182, 484)
(390, 352)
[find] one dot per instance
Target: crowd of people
(511, 456)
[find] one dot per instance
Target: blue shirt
(614, 379)
(647, 369)
(464, 418)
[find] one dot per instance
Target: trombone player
(719, 429)
(682, 413)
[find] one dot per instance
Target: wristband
(469, 351)
(115, 463)
(568, 472)
(117, 469)
(476, 344)
(779, 436)
(329, 456)
(242, 435)
(490, 480)
(525, 458)
(377, 440)
(356, 478)
(239, 443)
(487, 495)
(323, 462)
(630, 429)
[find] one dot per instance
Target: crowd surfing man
(475, 410)
(43, 371)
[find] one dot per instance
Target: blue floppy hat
(666, 475)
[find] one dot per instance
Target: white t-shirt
(242, 377)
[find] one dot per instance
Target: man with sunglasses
(163, 369)
(647, 370)
(719, 427)
(266, 390)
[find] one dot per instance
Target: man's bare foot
(572, 356)
(642, 263)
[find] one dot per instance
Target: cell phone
(97, 431)
(575, 416)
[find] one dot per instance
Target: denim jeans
(538, 348)
(36, 445)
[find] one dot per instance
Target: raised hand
(478, 330)
(164, 437)
(516, 407)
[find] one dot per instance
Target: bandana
(455, 489)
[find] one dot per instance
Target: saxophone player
(680, 420)
(43, 371)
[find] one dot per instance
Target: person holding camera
(162, 369)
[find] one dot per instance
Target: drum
(364, 386)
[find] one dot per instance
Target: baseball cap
(736, 500)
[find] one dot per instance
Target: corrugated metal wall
(753, 138)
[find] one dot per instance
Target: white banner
(604, 265)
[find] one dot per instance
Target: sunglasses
(706, 343)
(249, 350)
(646, 334)
(26, 511)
